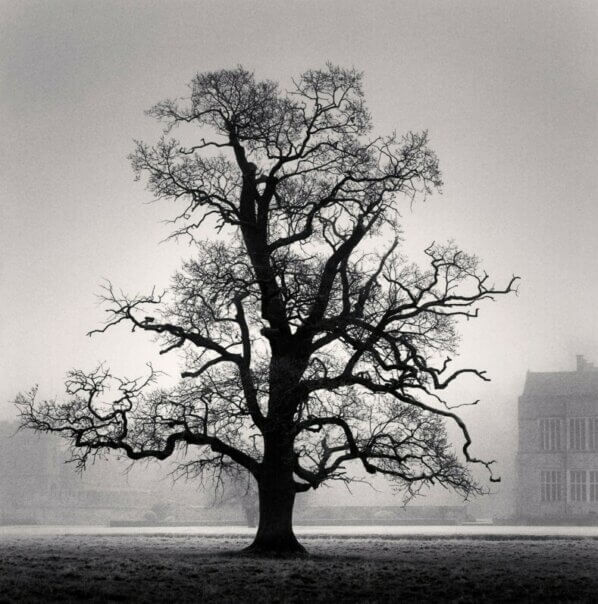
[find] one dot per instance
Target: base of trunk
(276, 489)
(275, 547)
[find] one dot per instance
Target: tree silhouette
(308, 340)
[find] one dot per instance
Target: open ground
(185, 568)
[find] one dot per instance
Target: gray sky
(507, 90)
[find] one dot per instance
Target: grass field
(191, 568)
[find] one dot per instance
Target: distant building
(30, 472)
(557, 460)
(36, 485)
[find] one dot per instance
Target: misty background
(507, 90)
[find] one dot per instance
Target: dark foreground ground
(181, 568)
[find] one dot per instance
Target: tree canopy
(308, 340)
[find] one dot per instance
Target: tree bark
(276, 488)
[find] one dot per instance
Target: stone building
(557, 460)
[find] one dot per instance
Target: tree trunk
(275, 534)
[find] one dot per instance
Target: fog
(507, 90)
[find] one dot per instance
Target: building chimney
(581, 362)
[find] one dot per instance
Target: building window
(593, 434)
(577, 482)
(594, 486)
(551, 484)
(577, 433)
(550, 434)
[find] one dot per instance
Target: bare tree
(241, 489)
(308, 340)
